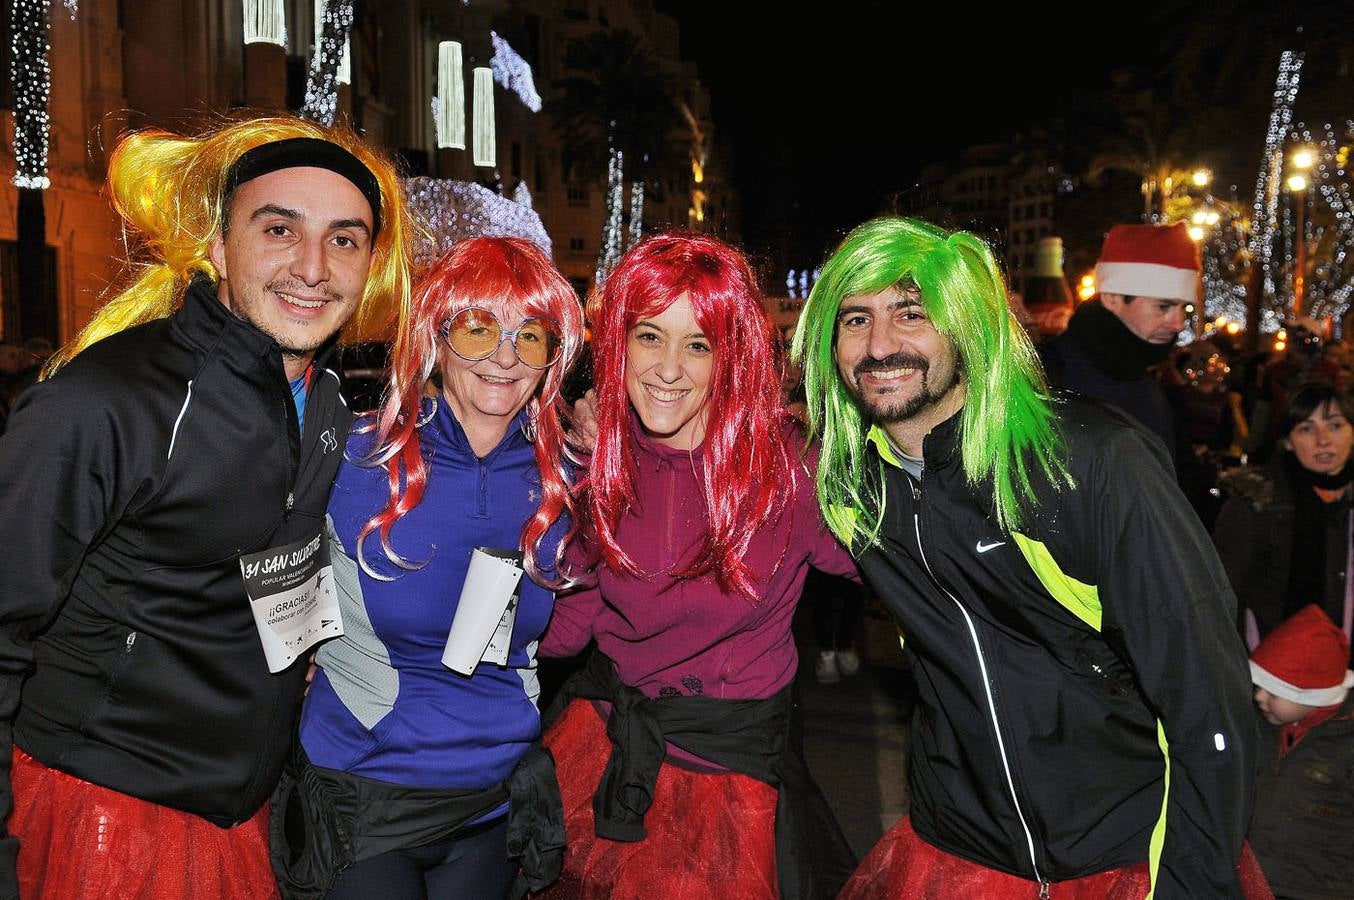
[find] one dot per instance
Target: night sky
(829, 112)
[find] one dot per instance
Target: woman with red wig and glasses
(411, 760)
(678, 771)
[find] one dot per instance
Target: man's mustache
(301, 288)
(896, 361)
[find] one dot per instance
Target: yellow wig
(169, 191)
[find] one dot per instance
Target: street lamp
(1086, 288)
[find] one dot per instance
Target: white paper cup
(489, 584)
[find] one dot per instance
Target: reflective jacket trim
(1159, 832)
(1081, 600)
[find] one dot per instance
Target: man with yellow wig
(163, 493)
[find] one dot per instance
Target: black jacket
(1035, 746)
(1303, 828)
(1098, 356)
(1254, 537)
(130, 483)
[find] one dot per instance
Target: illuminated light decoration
(636, 212)
(322, 83)
(611, 227)
(1265, 210)
(521, 196)
(449, 104)
(1223, 256)
(514, 73)
(485, 151)
(265, 22)
(451, 211)
(72, 7)
(1329, 285)
(345, 69)
(791, 284)
(804, 283)
(31, 75)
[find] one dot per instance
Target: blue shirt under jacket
(382, 705)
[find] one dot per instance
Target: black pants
(474, 865)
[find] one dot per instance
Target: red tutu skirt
(79, 840)
(709, 835)
(904, 865)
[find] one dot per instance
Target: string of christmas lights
(1329, 223)
(450, 211)
(611, 230)
(345, 69)
(72, 7)
(799, 282)
(1224, 269)
(31, 75)
(322, 83)
(514, 73)
(1267, 183)
(521, 196)
(636, 212)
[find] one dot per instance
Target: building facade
(181, 64)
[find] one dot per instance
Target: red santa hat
(1304, 660)
(1149, 261)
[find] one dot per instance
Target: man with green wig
(1083, 698)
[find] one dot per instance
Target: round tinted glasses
(474, 333)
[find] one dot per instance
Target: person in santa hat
(1148, 278)
(1302, 827)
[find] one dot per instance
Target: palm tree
(616, 113)
(1150, 148)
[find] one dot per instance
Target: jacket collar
(939, 446)
(660, 453)
(206, 323)
(443, 421)
(1112, 345)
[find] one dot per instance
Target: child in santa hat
(1302, 829)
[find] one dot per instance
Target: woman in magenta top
(700, 517)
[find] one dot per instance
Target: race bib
(291, 592)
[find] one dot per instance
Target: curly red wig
(498, 274)
(747, 461)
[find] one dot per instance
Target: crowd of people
(253, 644)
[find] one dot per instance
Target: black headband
(294, 153)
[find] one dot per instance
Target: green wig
(1007, 425)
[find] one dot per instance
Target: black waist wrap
(751, 737)
(324, 820)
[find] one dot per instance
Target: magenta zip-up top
(689, 636)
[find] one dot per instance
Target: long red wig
(502, 275)
(746, 460)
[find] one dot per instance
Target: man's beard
(880, 408)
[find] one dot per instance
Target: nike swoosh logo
(983, 548)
